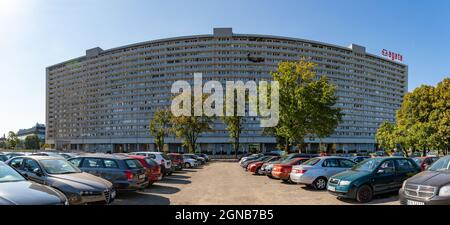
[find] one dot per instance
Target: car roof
(37, 157)
(105, 156)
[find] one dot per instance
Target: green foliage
(32, 142)
(234, 124)
(12, 141)
(306, 104)
(160, 127)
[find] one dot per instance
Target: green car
(371, 177)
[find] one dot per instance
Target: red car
(177, 160)
(425, 162)
(153, 169)
(282, 171)
(256, 166)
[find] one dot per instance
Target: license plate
(141, 176)
(331, 188)
(410, 202)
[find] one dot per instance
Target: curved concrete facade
(103, 101)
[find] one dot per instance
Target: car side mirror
(38, 172)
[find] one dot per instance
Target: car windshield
(8, 174)
(3, 158)
(150, 162)
(133, 164)
(442, 164)
(311, 162)
(367, 165)
(288, 161)
(417, 160)
(166, 157)
(58, 166)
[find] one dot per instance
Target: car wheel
(364, 194)
(187, 165)
(259, 171)
(286, 181)
(320, 183)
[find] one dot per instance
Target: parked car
(177, 160)
(425, 162)
(250, 157)
(67, 155)
(3, 157)
(358, 159)
(190, 162)
(77, 186)
(153, 169)
(317, 171)
(15, 189)
(372, 177)
(198, 158)
(266, 168)
(124, 172)
(13, 154)
(255, 167)
(203, 155)
(430, 187)
(259, 159)
(283, 170)
(244, 155)
(52, 154)
(161, 158)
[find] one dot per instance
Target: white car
(190, 162)
(161, 158)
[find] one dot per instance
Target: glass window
(151, 162)
(151, 156)
(388, 166)
(441, 164)
(7, 174)
(16, 163)
(404, 165)
(92, 163)
(111, 164)
(30, 165)
(76, 162)
(330, 163)
(312, 162)
(346, 163)
(58, 166)
(133, 164)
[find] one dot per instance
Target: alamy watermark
(236, 92)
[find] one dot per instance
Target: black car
(17, 190)
(3, 157)
(126, 173)
(79, 188)
(430, 187)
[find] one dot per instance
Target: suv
(126, 173)
(431, 187)
(161, 158)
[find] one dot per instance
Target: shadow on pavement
(139, 198)
(158, 189)
(178, 177)
(378, 199)
(169, 180)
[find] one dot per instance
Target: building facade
(38, 130)
(103, 101)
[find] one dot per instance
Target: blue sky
(38, 33)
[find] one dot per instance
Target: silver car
(317, 171)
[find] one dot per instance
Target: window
(16, 163)
(110, 164)
(388, 167)
(404, 165)
(151, 156)
(133, 164)
(346, 163)
(330, 163)
(92, 163)
(30, 165)
(76, 162)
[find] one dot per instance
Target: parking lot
(227, 183)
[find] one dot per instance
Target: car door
(17, 164)
(385, 177)
(111, 170)
(29, 167)
(330, 167)
(93, 166)
(404, 170)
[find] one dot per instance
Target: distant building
(38, 129)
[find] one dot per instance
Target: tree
(440, 117)
(32, 142)
(234, 124)
(386, 135)
(160, 127)
(306, 103)
(12, 141)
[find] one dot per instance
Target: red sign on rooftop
(392, 55)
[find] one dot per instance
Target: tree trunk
(236, 147)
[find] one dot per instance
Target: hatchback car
(259, 159)
(124, 172)
(77, 186)
(177, 160)
(161, 158)
(425, 162)
(196, 157)
(203, 155)
(371, 177)
(190, 162)
(255, 167)
(266, 168)
(153, 169)
(283, 170)
(316, 172)
(358, 159)
(431, 187)
(17, 190)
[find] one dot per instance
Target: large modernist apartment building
(103, 101)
